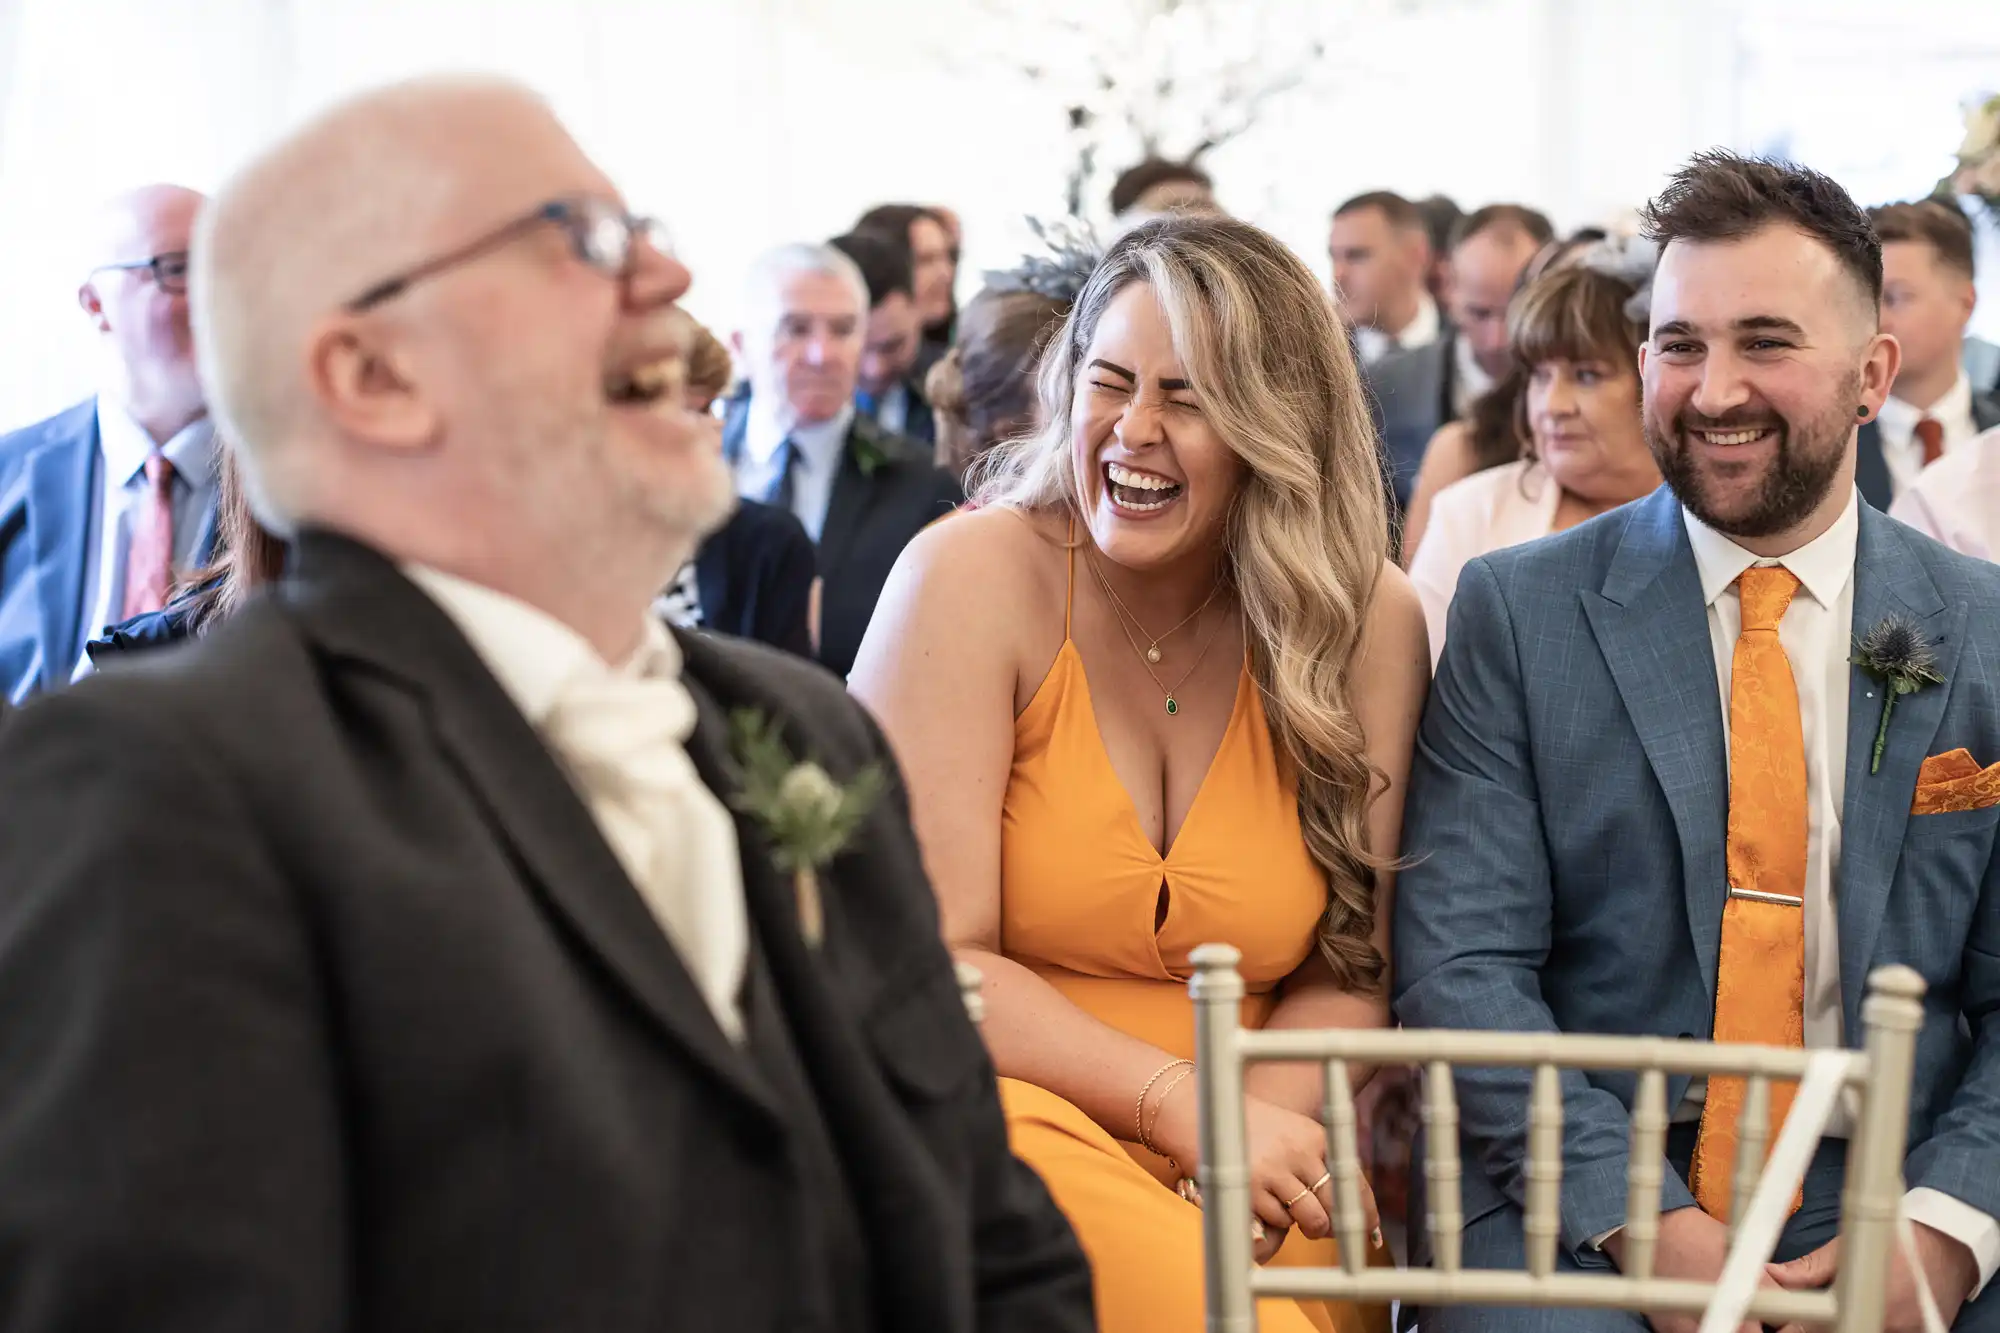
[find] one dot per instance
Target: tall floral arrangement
(1978, 171)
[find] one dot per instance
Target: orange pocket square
(1954, 781)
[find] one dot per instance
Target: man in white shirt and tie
(1932, 410)
(797, 442)
(410, 953)
(115, 497)
(1381, 253)
(1648, 797)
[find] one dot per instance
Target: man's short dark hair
(1133, 183)
(1441, 214)
(1518, 218)
(884, 261)
(1934, 222)
(897, 219)
(1397, 211)
(1720, 196)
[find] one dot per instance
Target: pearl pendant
(1173, 707)
(1153, 654)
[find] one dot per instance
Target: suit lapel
(357, 605)
(1888, 580)
(63, 478)
(1652, 626)
(846, 507)
(1871, 469)
(1985, 410)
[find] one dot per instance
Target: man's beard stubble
(1803, 470)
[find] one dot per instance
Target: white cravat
(621, 734)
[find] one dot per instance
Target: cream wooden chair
(1869, 1219)
(969, 982)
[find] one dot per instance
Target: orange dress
(1080, 889)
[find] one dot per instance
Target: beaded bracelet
(1139, 1111)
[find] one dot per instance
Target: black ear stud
(1862, 412)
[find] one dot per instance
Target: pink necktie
(149, 562)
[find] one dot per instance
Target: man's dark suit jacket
(326, 1006)
(1410, 394)
(1871, 469)
(755, 575)
(49, 481)
(886, 492)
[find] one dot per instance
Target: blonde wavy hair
(1308, 535)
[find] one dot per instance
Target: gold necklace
(1173, 703)
(1152, 650)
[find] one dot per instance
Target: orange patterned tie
(1760, 982)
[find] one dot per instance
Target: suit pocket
(1947, 821)
(1954, 783)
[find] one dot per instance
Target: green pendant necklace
(1148, 656)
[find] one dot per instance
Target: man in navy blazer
(1569, 822)
(72, 487)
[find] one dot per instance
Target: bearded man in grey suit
(1648, 757)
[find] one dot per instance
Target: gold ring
(1322, 1180)
(1296, 1197)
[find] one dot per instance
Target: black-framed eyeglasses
(169, 270)
(602, 234)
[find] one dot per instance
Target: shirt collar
(1473, 380)
(535, 657)
(1422, 330)
(1899, 419)
(126, 445)
(764, 435)
(1823, 565)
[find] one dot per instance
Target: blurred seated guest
(248, 556)
(1158, 185)
(885, 389)
(1441, 213)
(1491, 433)
(710, 370)
(1576, 334)
(1178, 585)
(754, 577)
(984, 390)
(933, 271)
(1957, 499)
(1381, 256)
(104, 503)
(419, 964)
(1416, 391)
(1982, 364)
(1927, 297)
(796, 442)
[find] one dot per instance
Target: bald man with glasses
(104, 506)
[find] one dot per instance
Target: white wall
(747, 122)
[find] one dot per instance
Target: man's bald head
(500, 407)
(135, 294)
(368, 188)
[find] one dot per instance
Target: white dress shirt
(1373, 344)
(1816, 633)
(1469, 381)
(1901, 449)
(818, 447)
(123, 448)
(620, 734)
(1957, 499)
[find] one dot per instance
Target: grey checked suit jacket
(1567, 814)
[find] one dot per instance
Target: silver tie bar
(1775, 899)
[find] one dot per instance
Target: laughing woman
(1161, 689)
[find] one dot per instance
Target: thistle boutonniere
(1898, 656)
(869, 453)
(806, 815)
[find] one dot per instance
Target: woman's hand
(1288, 1167)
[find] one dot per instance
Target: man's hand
(1692, 1245)
(1949, 1270)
